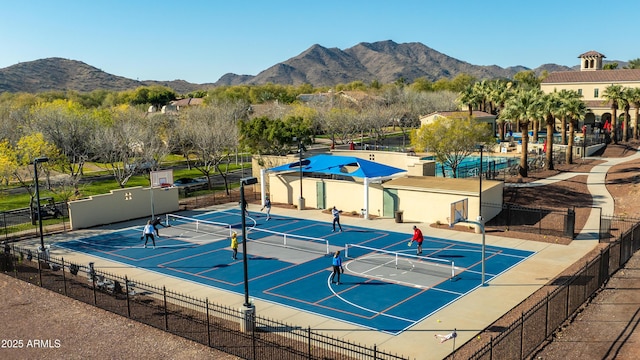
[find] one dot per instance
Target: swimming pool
(470, 166)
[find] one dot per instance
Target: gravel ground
(41, 324)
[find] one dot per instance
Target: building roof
(598, 76)
(341, 165)
(591, 53)
(439, 184)
(476, 114)
(188, 102)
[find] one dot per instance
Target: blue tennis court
(378, 290)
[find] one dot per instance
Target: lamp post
(481, 146)
(36, 161)
(243, 207)
(248, 310)
(300, 151)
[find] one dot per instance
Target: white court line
(364, 308)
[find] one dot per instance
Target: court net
(292, 241)
(375, 258)
(193, 229)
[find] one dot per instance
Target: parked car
(48, 209)
(141, 167)
(192, 184)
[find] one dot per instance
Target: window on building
(596, 93)
(579, 91)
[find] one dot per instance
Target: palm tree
(469, 98)
(634, 98)
(500, 92)
(482, 91)
(625, 103)
(551, 107)
(575, 110)
(633, 64)
(564, 96)
(613, 94)
(523, 107)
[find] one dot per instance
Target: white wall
(122, 205)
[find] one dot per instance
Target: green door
(320, 195)
(389, 202)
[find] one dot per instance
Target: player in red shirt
(417, 237)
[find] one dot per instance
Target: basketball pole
(481, 225)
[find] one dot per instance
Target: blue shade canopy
(340, 165)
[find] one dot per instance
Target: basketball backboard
(161, 178)
(459, 211)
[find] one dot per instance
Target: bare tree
(69, 127)
(212, 132)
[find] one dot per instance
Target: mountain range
(384, 61)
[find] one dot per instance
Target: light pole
(243, 207)
(481, 147)
(300, 151)
(248, 310)
(36, 161)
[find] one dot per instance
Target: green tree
(625, 104)
(613, 94)
(265, 136)
(634, 98)
(551, 105)
(500, 92)
(461, 81)
(633, 64)
(575, 111)
(8, 162)
(469, 98)
(527, 79)
(422, 84)
(451, 140)
(30, 147)
(610, 66)
(156, 96)
(524, 107)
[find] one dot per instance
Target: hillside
(384, 61)
(57, 74)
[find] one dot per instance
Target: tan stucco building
(479, 116)
(591, 81)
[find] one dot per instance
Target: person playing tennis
(267, 205)
(337, 267)
(147, 233)
(336, 219)
(234, 245)
(418, 238)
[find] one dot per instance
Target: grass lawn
(10, 201)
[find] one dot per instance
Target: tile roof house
(591, 81)
(477, 115)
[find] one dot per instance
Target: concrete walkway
(469, 315)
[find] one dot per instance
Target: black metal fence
(537, 220)
(535, 326)
(200, 320)
(19, 222)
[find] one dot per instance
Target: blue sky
(201, 40)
